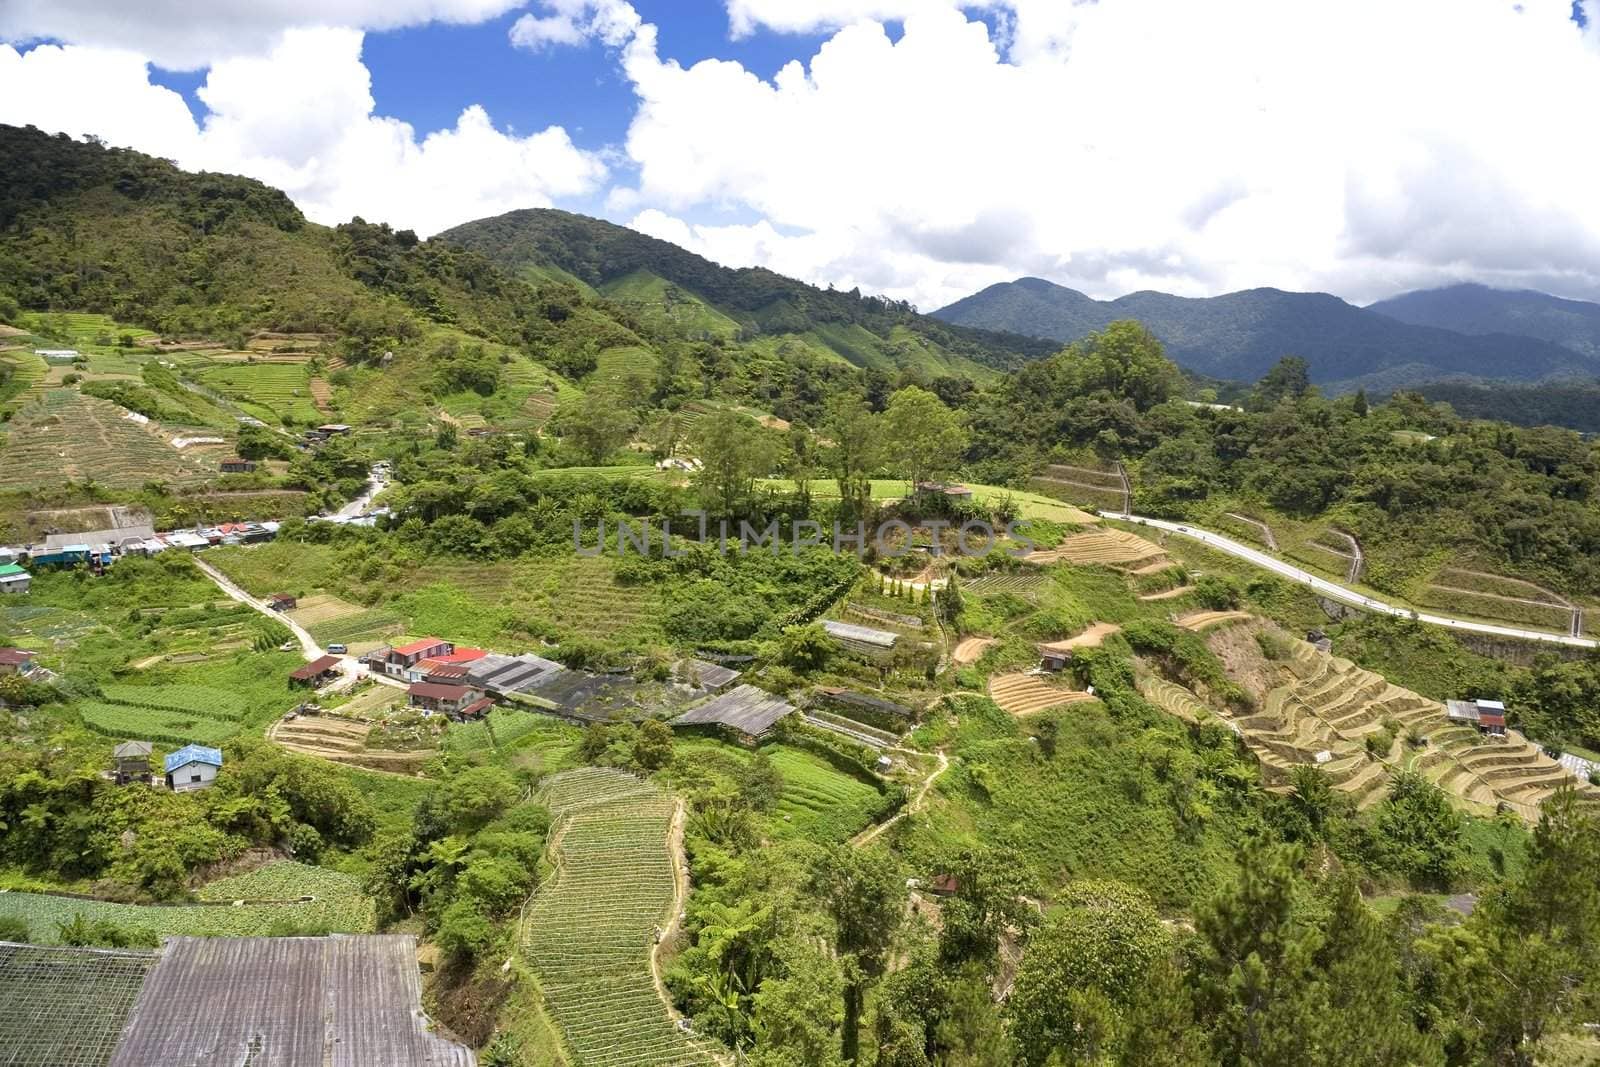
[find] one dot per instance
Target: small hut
(132, 761)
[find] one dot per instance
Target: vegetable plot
(590, 930)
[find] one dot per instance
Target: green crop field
(88, 333)
(279, 392)
(818, 801)
(510, 727)
(194, 699)
(631, 361)
(664, 305)
(63, 435)
(376, 624)
(337, 905)
(589, 930)
(152, 724)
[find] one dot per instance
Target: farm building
(436, 696)
(512, 674)
(745, 710)
(1054, 659)
(238, 465)
(15, 661)
(8, 555)
(436, 670)
(477, 709)
(56, 355)
(333, 429)
(185, 539)
(340, 1001)
(461, 655)
(712, 677)
(192, 767)
(65, 556)
(315, 673)
(131, 762)
(401, 659)
(282, 601)
(1319, 640)
(850, 698)
(1486, 716)
(13, 579)
(861, 638)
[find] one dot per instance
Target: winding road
(1334, 591)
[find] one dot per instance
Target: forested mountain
(1240, 335)
(1573, 403)
(867, 331)
(1478, 309)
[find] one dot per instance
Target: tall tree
(733, 450)
(864, 892)
(922, 438)
(857, 446)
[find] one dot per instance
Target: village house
(238, 465)
(316, 673)
(1486, 716)
(402, 659)
(192, 767)
(477, 709)
(15, 661)
(281, 601)
(437, 696)
(131, 762)
(434, 669)
(13, 579)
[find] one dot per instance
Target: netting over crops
(65, 1007)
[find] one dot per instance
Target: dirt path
(971, 650)
(916, 803)
(669, 932)
(1090, 638)
(1169, 594)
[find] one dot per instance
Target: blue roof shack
(192, 767)
(65, 556)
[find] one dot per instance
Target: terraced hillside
(61, 434)
(589, 930)
(1025, 694)
(1112, 548)
(1325, 709)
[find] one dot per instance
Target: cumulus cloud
(1116, 146)
(573, 22)
(301, 118)
(189, 35)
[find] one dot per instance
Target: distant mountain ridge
(1477, 309)
(1241, 335)
(863, 330)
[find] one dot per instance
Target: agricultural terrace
(62, 435)
(271, 391)
(272, 899)
(820, 802)
(590, 930)
(1029, 505)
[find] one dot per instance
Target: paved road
(349, 667)
(1334, 591)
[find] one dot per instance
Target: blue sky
(930, 147)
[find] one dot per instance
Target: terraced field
(617, 365)
(270, 390)
(1019, 583)
(1205, 620)
(1328, 706)
(173, 714)
(344, 740)
(1025, 694)
(819, 801)
(274, 894)
(62, 434)
(589, 930)
(1093, 486)
(579, 593)
(1112, 548)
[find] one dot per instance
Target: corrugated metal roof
(745, 708)
(341, 1001)
(314, 669)
(192, 754)
(132, 750)
(437, 691)
(851, 632)
(420, 646)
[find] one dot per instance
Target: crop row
(198, 699)
(154, 724)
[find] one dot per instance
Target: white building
(192, 767)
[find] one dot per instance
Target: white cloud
(301, 118)
(572, 22)
(191, 34)
(1162, 144)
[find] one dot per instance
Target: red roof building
(315, 671)
(438, 696)
(461, 655)
(435, 669)
(477, 709)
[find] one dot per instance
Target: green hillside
(633, 267)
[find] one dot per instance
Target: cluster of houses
(439, 676)
(98, 549)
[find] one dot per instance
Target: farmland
(588, 931)
(818, 801)
(273, 905)
(66, 1007)
(153, 724)
(271, 391)
(62, 435)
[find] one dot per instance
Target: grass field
(338, 905)
(588, 933)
